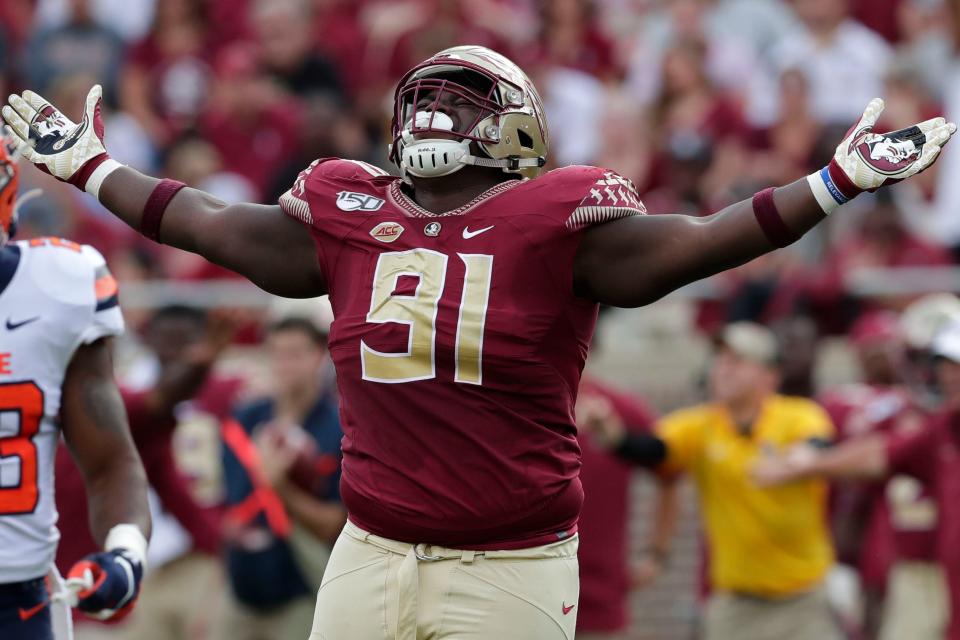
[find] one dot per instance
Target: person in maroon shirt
(186, 349)
(860, 512)
(932, 456)
(465, 294)
(605, 574)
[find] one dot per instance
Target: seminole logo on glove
(892, 153)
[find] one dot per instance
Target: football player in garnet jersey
(59, 305)
(465, 294)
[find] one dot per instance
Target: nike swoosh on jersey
(467, 234)
(16, 325)
(26, 614)
(567, 609)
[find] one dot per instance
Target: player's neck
(439, 195)
(745, 411)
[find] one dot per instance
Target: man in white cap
(931, 455)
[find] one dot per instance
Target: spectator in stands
(339, 33)
(798, 339)
(769, 550)
(604, 417)
(183, 566)
(328, 131)
(79, 46)
(130, 19)
(930, 609)
(575, 112)
(945, 222)
(625, 139)
(167, 76)
(694, 120)
(253, 123)
(426, 26)
(288, 53)
(881, 403)
(689, 103)
(281, 466)
(731, 42)
(843, 60)
(570, 36)
(784, 151)
(926, 45)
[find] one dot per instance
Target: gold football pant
(380, 589)
(917, 605)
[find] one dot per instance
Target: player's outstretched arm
(260, 242)
(94, 425)
(634, 261)
(863, 458)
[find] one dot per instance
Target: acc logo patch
(353, 201)
(387, 231)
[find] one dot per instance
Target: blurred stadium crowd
(699, 102)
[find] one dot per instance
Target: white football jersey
(55, 295)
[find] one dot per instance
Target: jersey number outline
(25, 399)
(419, 312)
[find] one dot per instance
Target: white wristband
(828, 199)
(100, 174)
(129, 538)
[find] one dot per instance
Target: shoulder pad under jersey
(63, 269)
(584, 196)
(327, 178)
(76, 275)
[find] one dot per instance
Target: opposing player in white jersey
(58, 311)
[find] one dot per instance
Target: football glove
(70, 152)
(106, 584)
(866, 161)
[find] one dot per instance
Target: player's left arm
(94, 425)
(634, 261)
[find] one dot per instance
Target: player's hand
(646, 571)
(866, 160)
(597, 416)
(275, 445)
(70, 152)
(106, 584)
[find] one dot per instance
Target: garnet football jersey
(55, 295)
(458, 344)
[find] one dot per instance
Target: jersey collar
(410, 207)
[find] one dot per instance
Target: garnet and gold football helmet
(510, 129)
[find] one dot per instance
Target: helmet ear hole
(524, 139)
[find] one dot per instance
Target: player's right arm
(869, 457)
(864, 458)
(262, 243)
(271, 249)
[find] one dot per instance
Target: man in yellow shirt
(769, 549)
